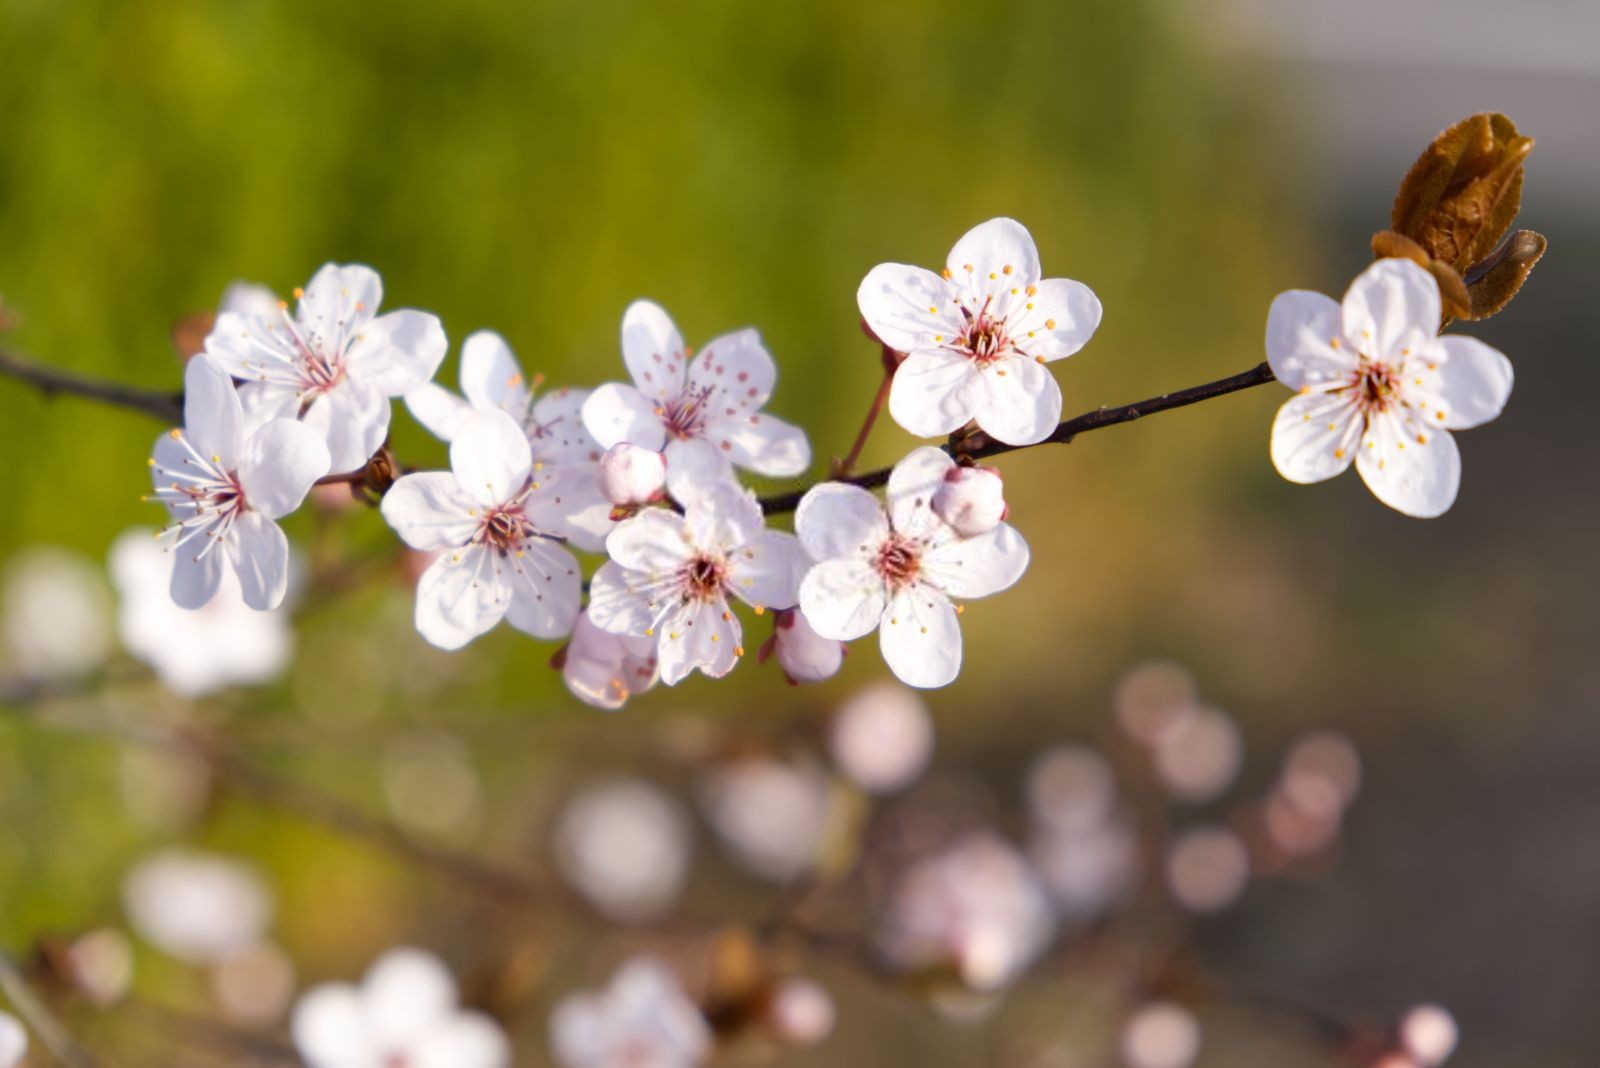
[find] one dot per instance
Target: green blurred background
(532, 168)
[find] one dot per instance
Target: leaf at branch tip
(1459, 198)
(1498, 278)
(1386, 244)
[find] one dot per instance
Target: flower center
(983, 336)
(1377, 386)
(702, 578)
(685, 416)
(504, 528)
(202, 496)
(899, 561)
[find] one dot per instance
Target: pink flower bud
(630, 475)
(804, 655)
(971, 500)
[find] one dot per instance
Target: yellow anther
(1032, 290)
(283, 305)
(650, 632)
(299, 294)
(968, 267)
(1006, 268)
(1038, 359)
(1422, 439)
(1438, 415)
(760, 609)
(1338, 454)
(725, 616)
(946, 274)
(992, 276)
(175, 434)
(1333, 342)
(738, 650)
(961, 609)
(1049, 324)
(933, 309)
(938, 337)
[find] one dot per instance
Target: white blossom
(642, 1020)
(1377, 386)
(773, 815)
(1161, 1034)
(978, 337)
(670, 575)
(335, 363)
(705, 412)
(882, 737)
(403, 1015)
(896, 567)
(194, 651)
(630, 475)
(605, 669)
(56, 614)
(1429, 1034)
(970, 499)
(566, 455)
(803, 654)
(13, 1041)
(491, 520)
(199, 907)
(225, 478)
(625, 847)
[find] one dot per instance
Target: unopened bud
(804, 655)
(630, 475)
(970, 499)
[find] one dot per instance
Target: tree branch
(168, 407)
(976, 445)
(52, 1033)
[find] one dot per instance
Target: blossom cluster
(648, 472)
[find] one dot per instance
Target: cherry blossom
(978, 337)
(670, 575)
(605, 669)
(632, 476)
(1377, 387)
(199, 907)
(625, 847)
(490, 520)
(225, 478)
(971, 499)
(803, 654)
(194, 651)
(13, 1041)
(403, 1015)
(335, 363)
(772, 814)
(642, 1018)
(55, 614)
(896, 568)
(705, 412)
(567, 455)
(882, 737)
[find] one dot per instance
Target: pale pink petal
(197, 572)
(734, 371)
(547, 590)
(722, 517)
(281, 460)
(352, 418)
(838, 519)
(1476, 382)
(430, 511)
(460, 597)
(912, 484)
(767, 570)
(620, 601)
(330, 1028)
(761, 443)
(1055, 321)
(1315, 436)
(701, 635)
(408, 994)
(921, 637)
(438, 410)
(1015, 401)
(397, 352)
(694, 467)
(929, 393)
(1392, 306)
(600, 669)
(569, 503)
(213, 419)
(616, 412)
(843, 598)
(490, 457)
(556, 431)
(654, 542)
(1303, 341)
(653, 351)
(993, 261)
(909, 308)
(261, 560)
(977, 566)
(490, 376)
(339, 299)
(469, 1040)
(1412, 467)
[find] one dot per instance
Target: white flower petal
(1412, 467)
(1392, 306)
(262, 560)
(281, 460)
(653, 351)
(701, 634)
(408, 994)
(490, 457)
(761, 443)
(722, 517)
(654, 542)
(838, 519)
(1056, 320)
(977, 566)
(557, 433)
(570, 504)
(929, 394)
(213, 419)
(694, 468)
(921, 637)
(1001, 248)
(430, 511)
(909, 308)
(438, 410)
(912, 485)
(547, 590)
(397, 352)
(352, 418)
(1015, 401)
(339, 299)
(459, 597)
(330, 1028)
(601, 670)
(767, 570)
(469, 1040)
(1315, 436)
(1476, 382)
(734, 370)
(197, 572)
(13, 1041)
(491, 377)
(1303, 341)
(615, 606)
(843, 598)
(617, 412)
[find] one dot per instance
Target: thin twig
(52, 1033)
(978, 445)
(168, 407)
(843, 468)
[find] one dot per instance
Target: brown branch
(168, 407)
(976, 445)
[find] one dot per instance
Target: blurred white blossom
(1429, 1034)
(13, 1041)
(625, 847)
(199, 907)
(882, 737)
(56, 612)
(254, 987)
(1160, 1034)
(772, 814)
(1207, 869)
(801, 1012)
(642, 1020)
